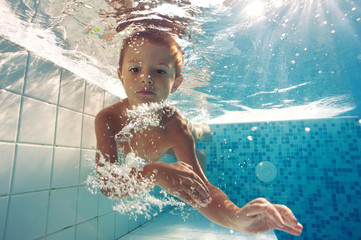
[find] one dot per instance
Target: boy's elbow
(111, 194)
(106, 193)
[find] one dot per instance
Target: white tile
(121, 224)
(37, 122)
(6, 163)
(105, 204)
(6, 46)
(27, 216)
(72, 91)
(43, 80)
(87, 164)
(32, 168)
(106, 226)
(110, 99)
(62, 209)
(88, 135)
(65, 167)
(87, 205)
(69, 126)
(87, 230)
(66, 234)
(12, 66)
(94, 99)
(3, 209)
(9, 114)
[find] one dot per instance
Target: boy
(150, 70)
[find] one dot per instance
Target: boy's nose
(147, 78)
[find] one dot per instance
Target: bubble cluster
(123, 181)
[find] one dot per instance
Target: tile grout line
(53, 151)
(12, 174)
(79, 165)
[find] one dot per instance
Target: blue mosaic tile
(318, 170)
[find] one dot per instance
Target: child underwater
(150, 70)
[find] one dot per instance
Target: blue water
(294, 60)
(303, 53)
(318, 166)
(247, 61)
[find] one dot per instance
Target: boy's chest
(150, 144)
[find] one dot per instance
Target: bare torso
(150, 144)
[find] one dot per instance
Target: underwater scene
(269, 90)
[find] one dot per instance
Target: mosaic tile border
(318, 170)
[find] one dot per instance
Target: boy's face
(148, 72)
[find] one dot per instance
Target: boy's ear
(120, 75)
(178, 81)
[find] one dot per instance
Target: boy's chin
(146, 101)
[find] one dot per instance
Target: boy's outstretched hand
(260, 215)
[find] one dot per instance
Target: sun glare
(206, 3)
(254, 9)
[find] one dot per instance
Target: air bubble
(123, 181)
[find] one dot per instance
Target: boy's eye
(134, 70)
(160, 71)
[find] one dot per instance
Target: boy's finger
(187, 165)
(268, 208)
(197, 189)
(287, 214)
(201, 187)
(292, 230)
(293, 226)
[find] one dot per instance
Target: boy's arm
(199, 131)
(257, 216)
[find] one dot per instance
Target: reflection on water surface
(244, 60)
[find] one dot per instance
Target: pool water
(171, 225)
(318, 170)
(246, 60)
(278, 81)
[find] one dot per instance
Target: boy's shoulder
(111, 113)
(174, 120)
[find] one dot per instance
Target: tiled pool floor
(196, 227)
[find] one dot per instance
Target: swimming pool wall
(318, 166)
(46, 139)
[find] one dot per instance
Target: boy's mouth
(146, 92)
